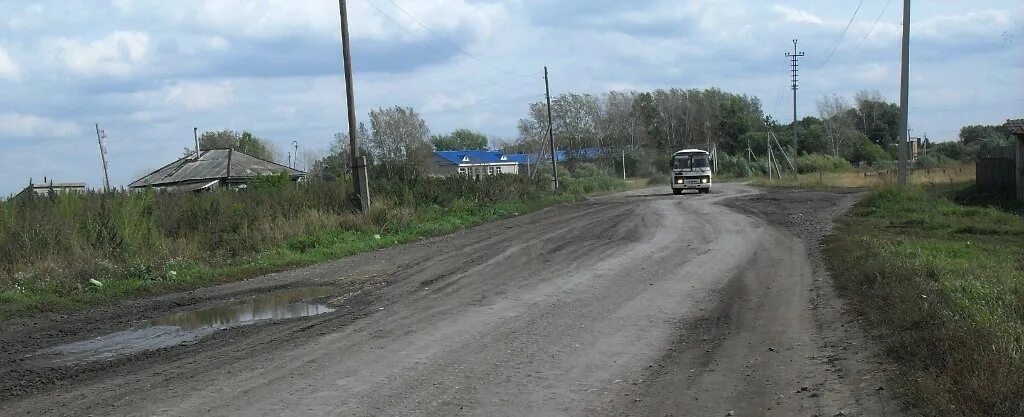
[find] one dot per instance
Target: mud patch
(191, 326)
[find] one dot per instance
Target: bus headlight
(703, 180)
(679, 181)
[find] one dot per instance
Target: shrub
(733, 166)
(821, 163)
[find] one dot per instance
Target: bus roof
(691, 151)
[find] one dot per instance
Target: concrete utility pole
(901, 171)
(295, 162)
(360, 182)
(100, 135)
(794, 64)
(551, 136)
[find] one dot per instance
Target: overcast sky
(148, 71)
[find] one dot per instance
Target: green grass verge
(41, 296)
(944, 285)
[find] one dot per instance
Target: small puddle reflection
(190, 326)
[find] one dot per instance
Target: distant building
(48, 186)
(214, 168)
(477, 163)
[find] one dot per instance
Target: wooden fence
(996, 173)
(996, 169)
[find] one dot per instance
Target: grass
(944, 285)
(53, 249)
(871, 179)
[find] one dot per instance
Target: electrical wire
(872, 29)
(455, 46)
(843, 35)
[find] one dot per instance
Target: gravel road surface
(640, 303)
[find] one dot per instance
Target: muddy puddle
(190, 326)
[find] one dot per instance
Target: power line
(843, 35)
(872, 29)
(457, 48)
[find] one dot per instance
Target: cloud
(31, 126)
(8, 69)
(194, 96)
(797, 16)
(120, 53)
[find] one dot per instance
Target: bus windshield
(685, 161)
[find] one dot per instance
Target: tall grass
(869, 178)
(945, 284)
(53, 247)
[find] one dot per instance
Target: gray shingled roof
(223, 164)
(1015, 126)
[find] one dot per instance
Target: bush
(933, 159)
(863, 151)
(821, 163)
(733, 166)
(956, 151)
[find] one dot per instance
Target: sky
(148, 72)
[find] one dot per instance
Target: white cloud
(118, 54)
(200, 95)
(8, 69)
(797, 15)
(443, 102)
(974, 24)
(31, 126)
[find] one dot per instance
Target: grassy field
(60, 253)
(944, 284)
(869, 179)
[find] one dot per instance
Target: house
(1016, 128)
(213, 168)
(49, 186)
(475, 163)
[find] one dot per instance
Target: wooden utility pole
(551, 136)
(100, 135)
(360, 183)
(901, 169)
(794, 64)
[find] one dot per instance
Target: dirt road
(640, 303)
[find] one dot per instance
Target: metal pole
(103, 157)
(551, 136)
(901, 170)
(359, 181)
(623, 164)
(794, 68)
(195, 135)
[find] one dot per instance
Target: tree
(838, 122)
(338, 163)
(399, 140)
(877, 118)
(244, 142)
(460, 139)
(975, 134)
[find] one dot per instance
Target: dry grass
(872, 179)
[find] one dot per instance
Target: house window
(497, 170)
(462, 170)
(490, 170)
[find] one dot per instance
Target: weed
(946, 290)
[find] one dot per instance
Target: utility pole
(551, 136)
(295, 162)
(901, 171)
(100, 136)
(794, 64)
(360, 182)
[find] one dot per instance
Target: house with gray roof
(211, 169)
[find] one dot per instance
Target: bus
(691, 170)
